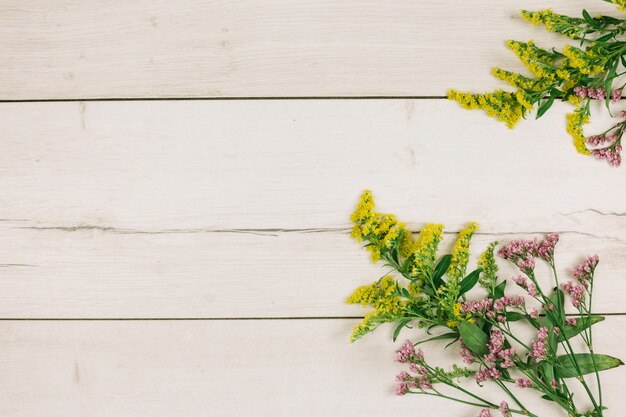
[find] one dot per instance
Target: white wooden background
(177, 257)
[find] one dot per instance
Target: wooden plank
(99, 274)
(227, 368)
(167, 166)
(194, 48)
(133, 209)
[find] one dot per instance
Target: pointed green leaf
(567, 369)
(474, 338)
(402, 324)
(498, 292)
(545, 106)
(515, 316)
(582, 323)
(452, 335)
(469, 281)
(440, 269)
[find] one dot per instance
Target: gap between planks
(220, 318)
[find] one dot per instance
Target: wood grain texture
(228, 368)
(240, 209)
(194, 48)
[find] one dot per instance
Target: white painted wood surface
(238, 210)
(195, 48)
(227, 368)
(194, 209)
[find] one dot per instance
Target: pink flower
(523, 383)
(402, 388)
(584, 272)
(516, 301)
(466, 354)
(570, 322)
(525, 284)
(612, 155)
(504, 409)
(485, 413)
(554, 383)
(580, 91)
(539, 345)
(576, 292)
(616, 95)
(487, 373)
(534, 313)
(406, 353)
(474, 307)
(506, 355)
(546, 248)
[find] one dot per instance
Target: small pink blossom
(485, 413)
(570, 322)
(478, 306)
(584, 272)
(616, 95)
(554, 383)
(576, 292)
(406, 353)
(545, 250)
(534, 313)
(504, 409)
(466, 354)
(539, 345)
(523, 383)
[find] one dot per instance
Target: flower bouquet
(428, 291)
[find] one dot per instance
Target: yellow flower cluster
(588, 62)
(460, 254)
(487, 262)
(621, 4)
(518, 80)
(380, 295)
(501, 105)
(538, 61)
(425, 249)
(575, 122)
(565, 25)
(383, 229)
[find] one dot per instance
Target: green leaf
(440, 269)
(514, 316)
(498, 292)
(469, 281)
(546, 397)
(545, 106)
(567, 369)
(402, 324)
(589, 19)
(452, 335)
(582, 324)
(557, 317)
(474, 338)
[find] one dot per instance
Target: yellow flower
(518, 80)
(460, 255)
(501, 105)
(425, 249)
(539, 62)
(575, 122)
(380, 295)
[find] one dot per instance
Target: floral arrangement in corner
(591, 71)
(428, 291)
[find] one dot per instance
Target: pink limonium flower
(526, 284)
(616, 95)
(486, 374)
(406, 353)
(539, 345)
(534, 313)
(496, 342)
(477, 306)
(504, 409)
(575, 292)
(507, 357)
(612, 155)
(518, 249)
(466, 354)
(570, 322)
(508, 301)
(485, 413)
(584, 272)
(523, 383)
(546, 248)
